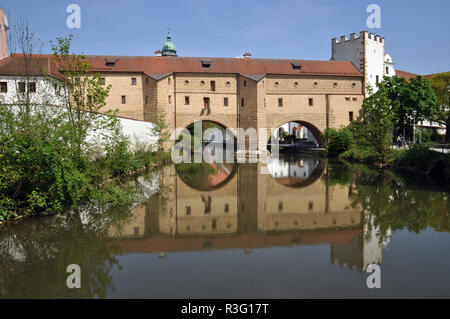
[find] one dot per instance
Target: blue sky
(416, 32)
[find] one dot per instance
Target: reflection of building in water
(363, 250)
(252, 210)
(291, 172)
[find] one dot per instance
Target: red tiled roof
(37, 65)
(167, 65)
(406, 75)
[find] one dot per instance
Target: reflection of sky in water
(291, 172)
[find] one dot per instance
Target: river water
(294, 228)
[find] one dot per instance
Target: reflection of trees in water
(35, 253)
(393, 202)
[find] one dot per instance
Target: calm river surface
(294, 228)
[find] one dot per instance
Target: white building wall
(46, 93)
(374, 59)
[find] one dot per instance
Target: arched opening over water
(301, 133)
(211, 130)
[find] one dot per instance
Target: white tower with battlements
(367, 53)
(3, 35)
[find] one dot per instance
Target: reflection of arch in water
(295, 172)
(206, 182)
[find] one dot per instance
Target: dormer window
(206, 64)
(296, 66)
(111, 61)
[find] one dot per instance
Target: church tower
(169, 48)
(3, 35)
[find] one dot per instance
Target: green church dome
(169, 48)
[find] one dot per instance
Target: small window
(103, 81)
(242, 102)
(276, 84)
(186, 82)
(347, 99)
(169, 99)
(227, 208)
(350, 116)
(280, 102)
(310, 101)
(168, 81)
(21, 87)
(245, 83)
(353, 85)
(188, 210)
(146, 99)
(136, 230)
(280, 206)
(227, 83)
(335, 85)
(355, 99)
(387, 70)
(133, 81)
(377, 79)
(124, 99)
(310, 205)
(213, 86)
(186, 100)
(316, 84)
(3, 87)
(214, 224)
(295, 84)
(32, 87)
(225, 101)
(202, 83)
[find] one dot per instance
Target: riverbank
(112, 190)
(416, 160)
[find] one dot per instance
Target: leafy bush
(416, 156)
(339, 141)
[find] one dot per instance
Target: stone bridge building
(233, 92)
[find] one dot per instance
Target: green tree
(83, 94)
(441, 86)
(338, 141)
(409, 97)
(378, 122)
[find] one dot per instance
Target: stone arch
(309, 125)
(224, 124)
